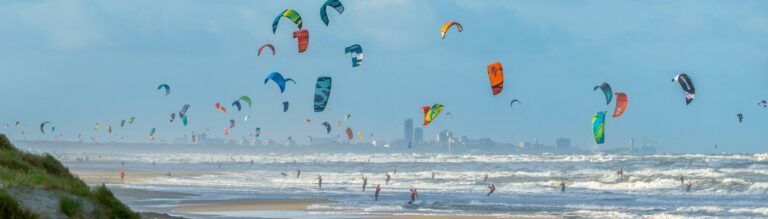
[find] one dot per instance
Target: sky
(76, 63)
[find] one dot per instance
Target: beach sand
(251, 205)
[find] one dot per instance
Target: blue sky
(75, 63)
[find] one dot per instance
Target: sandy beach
(112, 176)
(250, 205)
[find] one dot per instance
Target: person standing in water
(562, 186)
(620, 173)
(491, 187)
(688, 186)
(433, 175)
(319, 181)
(365, 182)
(298, 173)
(386, 181)
(122, 176)
(376, 195)
(682, 179)
(485, 177)
(414, 196)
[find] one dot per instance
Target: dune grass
(70, 207)
(10, 208)
(25, 170)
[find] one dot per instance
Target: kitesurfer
(376, 195)
(562, 186)
(386, 181)
(365, 182)
(298, 173)
(491, 187)
(414, 195)
(319, 181)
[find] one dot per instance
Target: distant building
(444, 136)
(563, 143)
(418, 135)
(408, 131)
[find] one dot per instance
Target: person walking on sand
(414, 196)
(562, 186)
(386, 181)
(122, 176)
(376, 195)
(319, 181)
(365, 182)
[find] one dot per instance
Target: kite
(513, 101)
(220, 108)
(741, 117)
(336, 4)
(448, 25)
(598, 127)
(258, 132)
(184, 120)
(621, 104)
(247, 99)
(285, 106)
(350, 134)
(266, 45)
(290, 14)
(166, 87)
(231, 123)
(130, 119)
(109, 129)
(322, 93)
(122, 123)
(245, 119)
(496, 74)
(359, 136)
(357, 54)
(347, 117)
(237, 105)
(431, 112)
(763, 103)
(226, 131)
(327, 127)
(173, 117)
(278, 79)
(152, 132)
(606, 88)
(307, 122)
(97, 126)
(42, 126)
(687, 85)
(303, 37)
(183, 111)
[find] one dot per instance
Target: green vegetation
(70, 207)
(27, 171)
(10, 208)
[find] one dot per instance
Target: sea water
(724, 185)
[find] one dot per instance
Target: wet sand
(112, 176)
(251, 205)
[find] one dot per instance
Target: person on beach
(485, 177)
(386, 181)
(682, 179)
(122, 176)
(298, 173)
(620, 173)
(688, 186)
(562, 186)
(433, 175)
(365, 182)
(319, 181)
(414, 196)
(492, 187)
(376, 195)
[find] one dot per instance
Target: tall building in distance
(408, 131)
(418, 135)
(563, 143)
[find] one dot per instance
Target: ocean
(723, 185)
